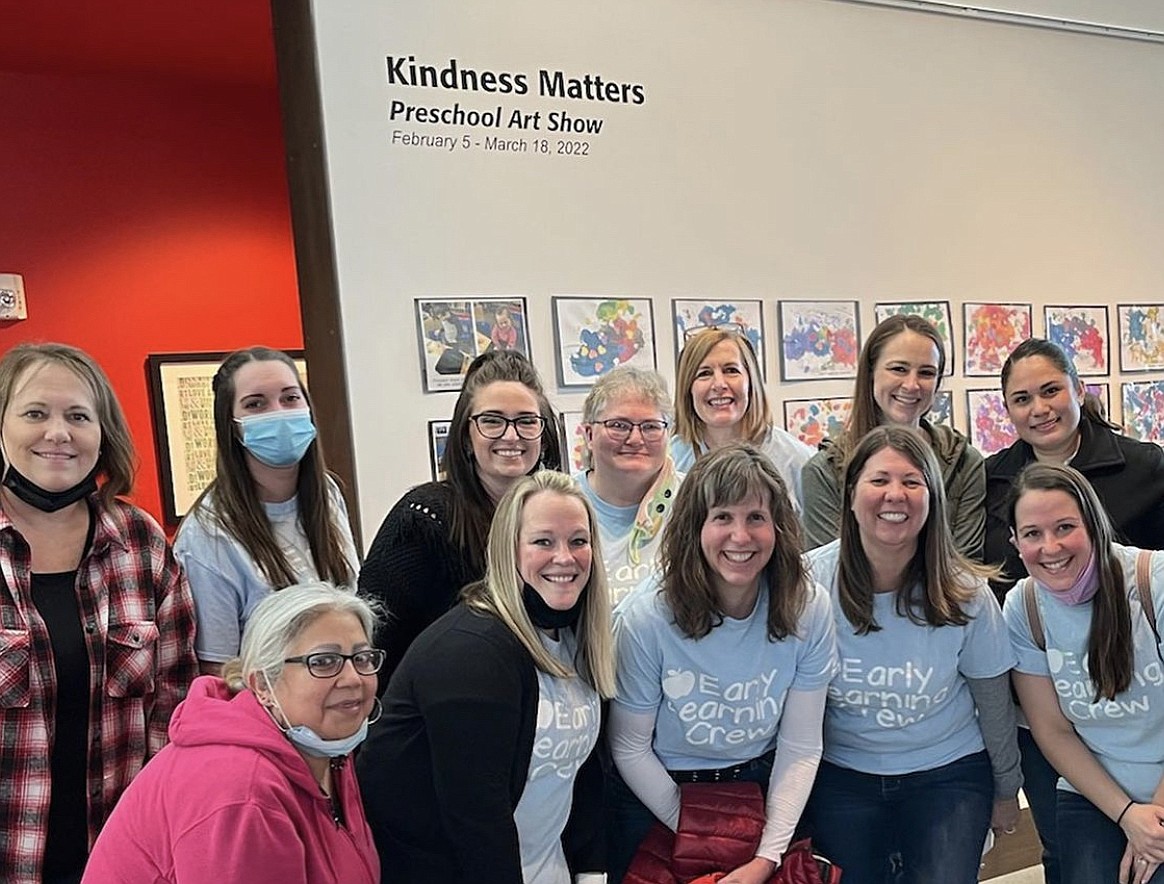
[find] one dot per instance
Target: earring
(377, 711)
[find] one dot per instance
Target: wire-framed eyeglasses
(493, 426)
(620, 430)
(329, 664)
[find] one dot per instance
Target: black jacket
(1127, 475)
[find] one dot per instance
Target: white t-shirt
(787, 453)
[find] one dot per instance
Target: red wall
(145, 217)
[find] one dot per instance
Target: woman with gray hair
(629, 479)
(254, 784)
(482, 768)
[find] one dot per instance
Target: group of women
(537, 666)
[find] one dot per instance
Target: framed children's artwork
(813, 420)
(989, 424)
(739, 315)
(182, 406)
(992, 331)
(593, 335)
(452, 333)
(573, 441)
(936, 312)
(1141, 337)
(941, 413)
(818, 339)
(438, 435)
(1082, 332)
(1143, 403)
(1103, 394)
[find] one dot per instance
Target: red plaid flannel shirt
(138, 619)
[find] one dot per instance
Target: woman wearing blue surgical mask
(273, 516)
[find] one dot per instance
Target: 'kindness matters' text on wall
(543, 113)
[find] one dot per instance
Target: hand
(1144, 826)
(758, 871)
(1004, 819)
(1135, 870)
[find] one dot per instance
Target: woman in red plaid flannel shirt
(96, 620)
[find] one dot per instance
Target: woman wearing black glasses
(432, 542)
(255, 784)
(630, 478)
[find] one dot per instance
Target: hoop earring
(377, 711)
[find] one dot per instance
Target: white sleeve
(798, 751)
(630, 744)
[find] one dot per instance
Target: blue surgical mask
(277, 438)
(308, 741)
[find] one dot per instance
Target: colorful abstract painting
(452, 333)
(1103, 394)
(938, 314)
(992, 331)
(989, 424)
(818, 339)
(596, 335)
(1143, 403)
(1141, 337)
(438, 435)
(812, 420)
(941, 413)
(1082, 332)
(574, 441)
(743, 316)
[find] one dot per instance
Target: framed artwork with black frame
(182, 407)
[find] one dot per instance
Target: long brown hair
(727, 476)
(936, 586)
(471, 510)
(1110, 649)
(236, 507)
(757, 419)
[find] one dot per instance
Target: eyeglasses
(689, 333)
(620, 430)
(494, 426)
(329, 664)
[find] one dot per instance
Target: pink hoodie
(231, 800)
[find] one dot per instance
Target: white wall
(787, 149)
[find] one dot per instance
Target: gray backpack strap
(1144, 588)
(1033, 617)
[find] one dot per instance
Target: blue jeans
(1039, 780)
(628, 820)
(935, 819)
(1090, 845)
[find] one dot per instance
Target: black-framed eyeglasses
(493, 426)
(329, 664)
(620, 430)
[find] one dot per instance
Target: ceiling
(215, 41)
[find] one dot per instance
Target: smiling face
(50, 430)
(1043, 403)
(501, 462)
(333, 707)
(1051, 537)
(720, 391)
(553, 548)
(737, 542)
(633, 457)
(905, 377)
(890, 500)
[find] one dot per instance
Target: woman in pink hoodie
(255, 785)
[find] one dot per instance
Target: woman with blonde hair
(898, 374)
(720, 398)
(723, 662)
(256, 783)
(482, 769)
(920, 758)
(97, 644)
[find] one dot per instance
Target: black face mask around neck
(545, 617)
(44, 500)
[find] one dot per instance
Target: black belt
(722, 774)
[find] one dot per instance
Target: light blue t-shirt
(900, 702)
(787, 453)
(1126, 735)
(615, 525)
(225, 581)
(717, 700)
(565, 735)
